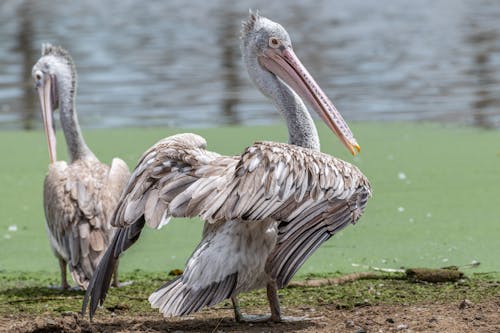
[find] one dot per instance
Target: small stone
(175, 272)
(402, 327)
(67, 314)
(465, 304)
(360, 330)
(474, 263)
(349, 323)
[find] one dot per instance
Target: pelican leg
(64, 281)
(241, 318)
(115, 282)
(238, 316)
(274, 302)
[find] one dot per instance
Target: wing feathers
(79, 199)
(312, 194)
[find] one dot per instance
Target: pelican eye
(274, 42)
(38, 75)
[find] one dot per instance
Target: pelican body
(265, 211)
(79, 197)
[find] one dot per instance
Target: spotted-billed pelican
(80, 196)
(265, 211)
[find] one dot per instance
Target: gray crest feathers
(57, 51)
(248, 25)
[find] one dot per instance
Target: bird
(79, 196)
(265, 211)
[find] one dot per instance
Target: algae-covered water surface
(436, 198)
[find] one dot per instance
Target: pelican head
(55, 80)
(267, 51)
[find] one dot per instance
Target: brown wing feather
(79, 199)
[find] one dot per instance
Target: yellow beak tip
(355, 148)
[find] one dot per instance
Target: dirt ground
(463, 316)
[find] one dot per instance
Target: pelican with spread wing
(265, 211)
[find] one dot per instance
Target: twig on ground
(411, 274)
(217, 326)
(334, 281)
(433, 274)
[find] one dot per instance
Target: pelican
(265, 211)
(79, 196)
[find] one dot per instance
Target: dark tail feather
(101, 279)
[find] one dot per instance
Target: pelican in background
(265, 211)
(79, 196)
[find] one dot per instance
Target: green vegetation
(436, 199)
(28, 294)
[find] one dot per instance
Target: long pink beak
(45, 95)
(284, 63)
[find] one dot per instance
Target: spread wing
(78, 205)
(312, 195)
(166, 170)
(297, 187)
(167, 173)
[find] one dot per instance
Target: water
(178, 63)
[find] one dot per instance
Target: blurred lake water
(178, 63)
